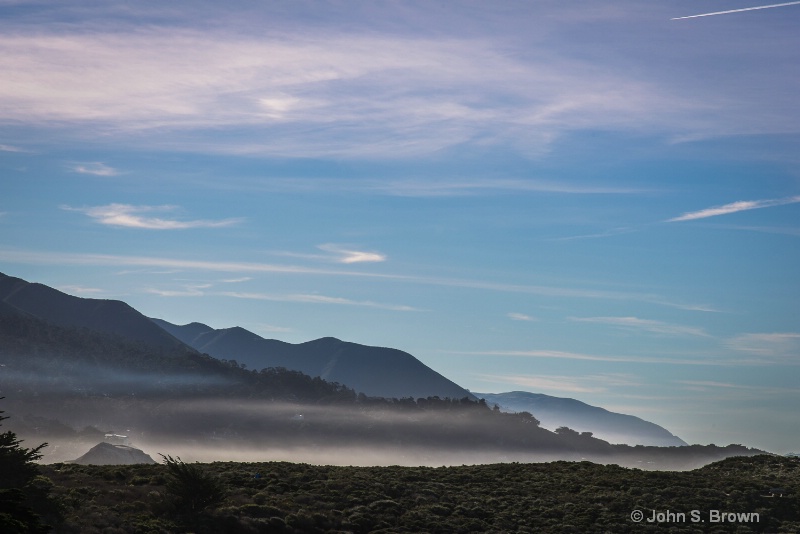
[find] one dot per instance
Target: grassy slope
(548, 497)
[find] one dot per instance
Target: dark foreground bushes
(576, 497)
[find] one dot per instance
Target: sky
(596, 200)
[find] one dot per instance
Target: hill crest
(374, 371)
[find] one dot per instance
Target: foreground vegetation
(750, 494)
(550, 497)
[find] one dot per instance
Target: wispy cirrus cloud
(554, 383)
(10, 148)
(347, 254)
(95, 168)
(205, 289)
(520, 317)
(82, 290)
(129, 216)
(778, 346)
(703, 384)
(766, 229)
(440, 187)
(37, 257)
(271, 328)
(567, 384)
(647, 325)
(734, 207)
(567, 355)
(316, 299)
(173, 265)
(467, 187)
(393, 80)
(188, 290)
(751, 394)
(321, 93)
(338, 253)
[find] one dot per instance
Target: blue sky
(582, 199)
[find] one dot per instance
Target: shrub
(190, 488)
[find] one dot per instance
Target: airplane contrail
(736, 10)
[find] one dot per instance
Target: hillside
(55, 307)
(554, 412)
(66, 384)
(374, 371)
(58, 380)
(110, 454)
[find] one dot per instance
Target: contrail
(736, 10)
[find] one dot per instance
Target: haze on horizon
(584, 200)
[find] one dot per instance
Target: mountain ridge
(180, 397)
(374, 371)
(554, 412)
(59, 308)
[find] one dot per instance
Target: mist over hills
(554, 412)
(374, 371)
(69, 372)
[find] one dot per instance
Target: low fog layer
(70, 387)
(208, 430)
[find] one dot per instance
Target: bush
(190, 488)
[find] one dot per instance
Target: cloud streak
(737, 10)
(347, 255)
(190, 290)
(467, 187)
(520, 317)
(567, 355)
(81, 290)
(648, 325)
(586, 384)
(439, 187)
(95, 168)
(315, 299)
(734, 207)
(9, 148)
(553, 383)
(34, 257)
(314, 93)
(129, 216)
(775, 346)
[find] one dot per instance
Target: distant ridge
(106, 316)
(100, 372)
(554, 412)
(374, 371)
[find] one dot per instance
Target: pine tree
(17, 470)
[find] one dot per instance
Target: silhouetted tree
(566, 431)
(18, 493)
(528, 418)
(191, 488)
